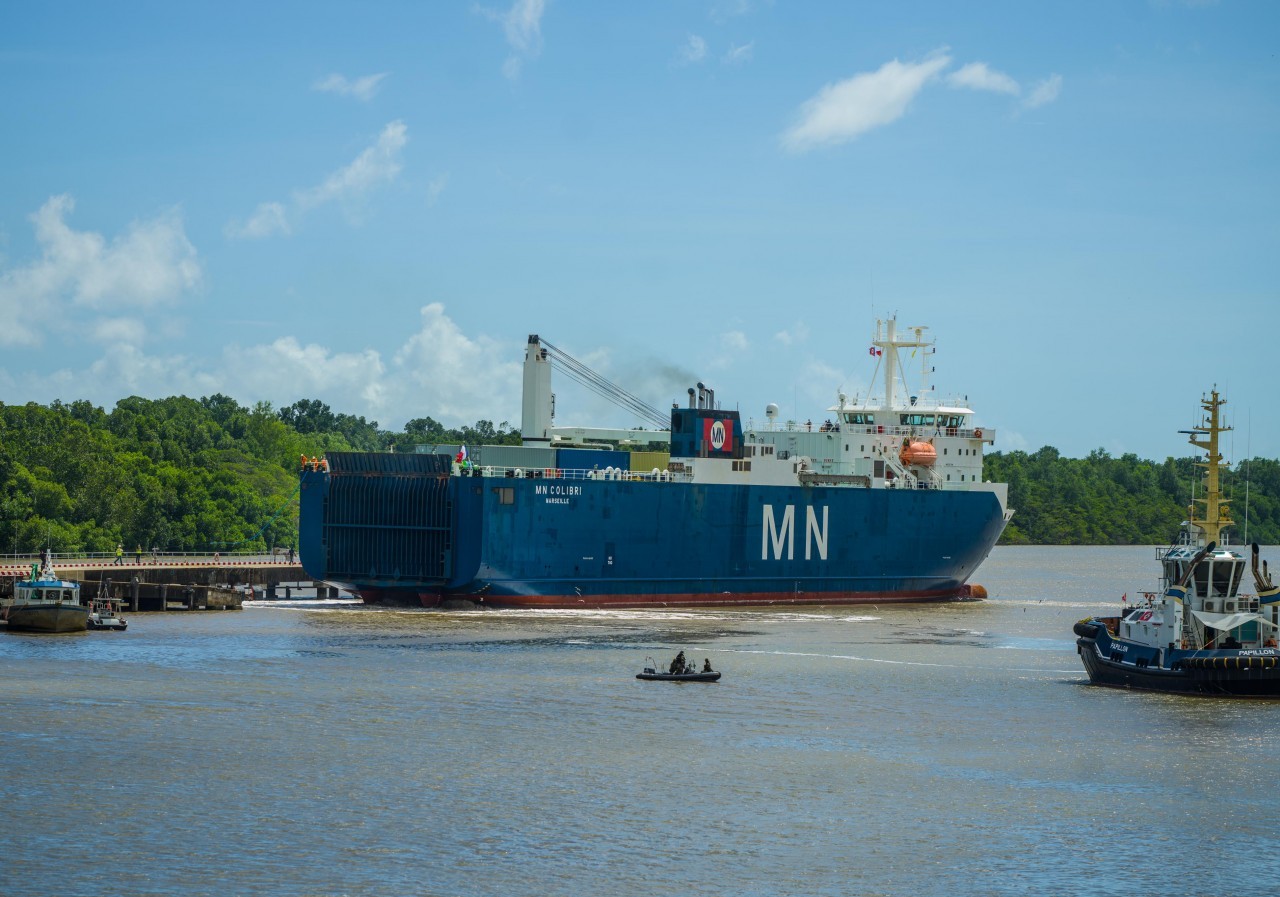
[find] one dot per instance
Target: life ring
(977, 434)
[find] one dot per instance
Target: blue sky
(374, 204)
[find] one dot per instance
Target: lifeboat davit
(918, 454)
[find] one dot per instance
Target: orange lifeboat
(918, 454)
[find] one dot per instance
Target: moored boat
(1199, 633)
(882, 502)
(103, 615)
(44, 603)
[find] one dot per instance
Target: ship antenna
(1248, 451)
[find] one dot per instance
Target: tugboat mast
(1217, 516)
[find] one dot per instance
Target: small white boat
(102, 615)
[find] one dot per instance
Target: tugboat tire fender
(1086, 629)
(1231, 663)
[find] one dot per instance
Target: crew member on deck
(706, 665)
(677, 665)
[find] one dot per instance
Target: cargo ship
(883, 501)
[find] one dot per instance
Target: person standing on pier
(119, 553)
(137, 555)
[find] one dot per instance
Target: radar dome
(771, 411)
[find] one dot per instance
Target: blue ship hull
(400, 528)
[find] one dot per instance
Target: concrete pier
(176, 581)
(140, 597)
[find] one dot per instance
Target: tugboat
(1200, 634)
(45, 603)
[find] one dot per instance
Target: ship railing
(906, 479)
(149, 558)
(573, 474)
(985, 434)
(928, 478)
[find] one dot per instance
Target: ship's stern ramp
(387, 522)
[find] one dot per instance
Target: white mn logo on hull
(773, 534)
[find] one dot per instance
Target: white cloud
(1044, 92)
(119, 331)
(443, 372)
(738, 54)
(798, 333)
(379, 164)
(693, 50)
(363, 88)
(733, 345)
(978, 76)
(846, 110)
(438, 371)
(267, 219)
(820, 384)
(126, 370)
(725, 10)
(292, 369)
(522, 25)
(152, 263)
(436, 187)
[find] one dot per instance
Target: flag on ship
(874, 351)
(462, 454)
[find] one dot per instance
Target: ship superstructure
(899, 435)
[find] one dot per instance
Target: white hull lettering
(775, 535)
(558, 489)
(770, 528)
(812, 537)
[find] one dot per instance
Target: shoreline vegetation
(183, 474)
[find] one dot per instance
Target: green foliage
(427, 431)
(311, 416)
(1101, 500)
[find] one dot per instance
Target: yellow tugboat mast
(1216, 515)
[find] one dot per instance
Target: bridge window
(917, 420)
